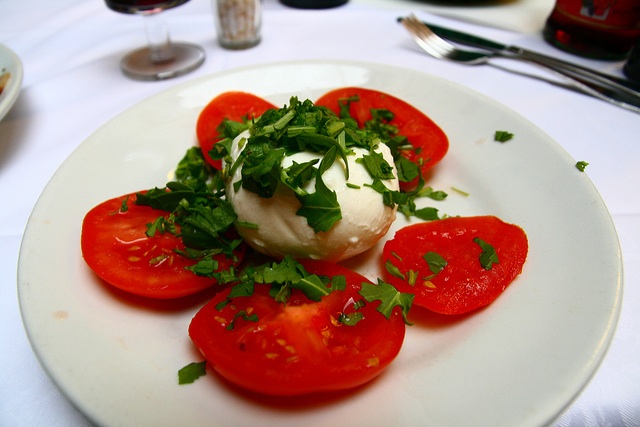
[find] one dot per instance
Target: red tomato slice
(116, 248)
(463, 285)
(298, 348)
(430, 142)
(229, 105)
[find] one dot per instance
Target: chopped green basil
(407, 170)
(377, 166)
(435, 261)
(488, 257)
(393, 270)
(461, 192)
(389, 298)
(321, 208)
(289, 273)
(124, 207)
(427, 214)
(350, 319)
(502, 136)
(243, 315)
(412, 277)
(581, 165)
(155, 226)
(191, 372)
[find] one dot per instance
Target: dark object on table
(632, 67)
(313, 4)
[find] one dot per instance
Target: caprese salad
(267, 206)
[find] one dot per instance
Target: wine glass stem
(158, 37)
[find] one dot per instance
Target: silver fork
(437, 47)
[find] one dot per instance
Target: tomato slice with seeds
(297, 348)
(429, 141)
(230, 105)
(115, 246)
(463, 284)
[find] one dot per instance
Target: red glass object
(604, 29)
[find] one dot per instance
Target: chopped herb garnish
(194, 171)
(427, 214)
(389, 298)
(191, 372)
(488, 257)
(321, 208)
(350, 319)
(435, 261)
(502, 136)
(243, 315)
(124, 207)
(290, 274)
(261, 168)
(431, 193)
(298, 174)
(412, 276)
(581, 165)
(377, 166)
(393, 270)
(222, 304)
(461, 192)
(155, 227)
(407, 170)
(205, 267)
(245, 284)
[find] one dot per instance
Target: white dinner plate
(519, 361)
(9, 64)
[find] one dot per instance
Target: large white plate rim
(420, 387)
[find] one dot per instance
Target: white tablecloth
(70, 50)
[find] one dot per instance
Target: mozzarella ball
(365, 218)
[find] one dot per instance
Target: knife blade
(493, 46)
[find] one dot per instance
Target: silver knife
(574, 69)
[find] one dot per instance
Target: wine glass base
(138, 64)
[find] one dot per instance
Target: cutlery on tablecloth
(493, 46)
(587, 81)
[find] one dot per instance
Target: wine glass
(161, 58)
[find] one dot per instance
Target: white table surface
(70, 51)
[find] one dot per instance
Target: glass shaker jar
(603, 29)
(238, 22)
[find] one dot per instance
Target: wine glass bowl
(161, 58)
(137, 6)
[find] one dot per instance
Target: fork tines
(425, 37)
